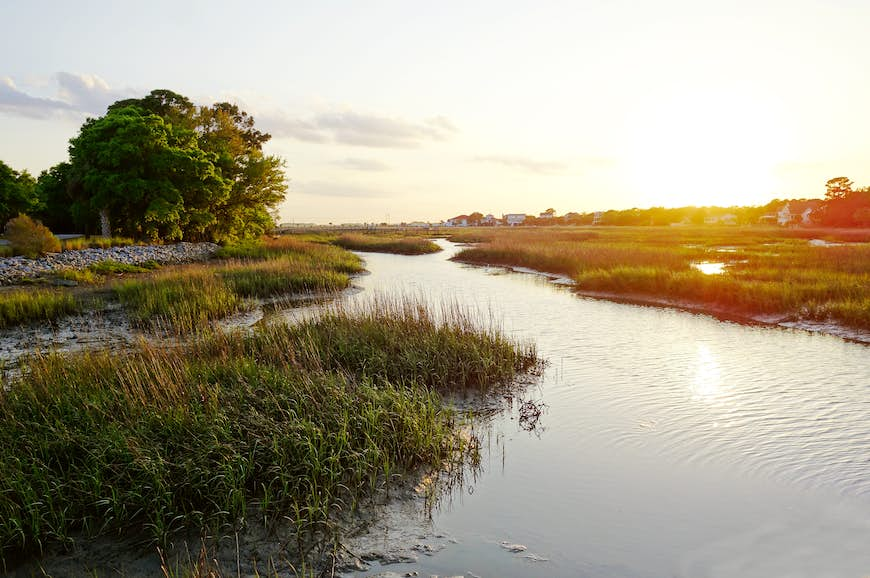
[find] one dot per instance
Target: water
(672, 444)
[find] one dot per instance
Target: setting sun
(704, 148)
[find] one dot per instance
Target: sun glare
(704, 148)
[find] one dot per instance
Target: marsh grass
(187, 300)
(769, 271)
(25, 306)
(298, 421)
(379, 243)
(183, 301)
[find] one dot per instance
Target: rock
(15, 270)
(513, 547)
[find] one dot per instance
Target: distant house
(796, 212)
(512, 219)
(419, 225)
(597, 217)
(489, 220)
(458, 221)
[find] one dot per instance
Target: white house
(488, 220)
(458, 221)
(597, 217)
(796, 212)
(514, 219)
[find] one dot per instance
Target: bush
(30, 238)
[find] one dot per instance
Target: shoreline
(720, 313)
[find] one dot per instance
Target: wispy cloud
(77, 95)
(524, 164)
(359, 129)
(334, 189)
(364, 165)
(18, 103)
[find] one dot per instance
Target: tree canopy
(161, 167)
(17, 193)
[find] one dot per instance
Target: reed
(25, 306)
(183, 301)
(297, 422)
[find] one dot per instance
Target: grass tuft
(19, 306)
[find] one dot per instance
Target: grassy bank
(768, 271)
(387, 244)
(295, 421)
(187, 299)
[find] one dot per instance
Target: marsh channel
(670, 444)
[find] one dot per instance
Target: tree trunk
(105, 225)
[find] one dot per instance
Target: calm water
(672, 445)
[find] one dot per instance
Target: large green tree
(17, 193)
(151, 179)
(258, 182)
(161, 167)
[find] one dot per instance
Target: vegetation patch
(180, 301)
(184, 301)
(110, 267)
(25, 306)
(290, 420)
(387, 244)
(30, 238)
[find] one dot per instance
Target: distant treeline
(843, 206)
(157, 167)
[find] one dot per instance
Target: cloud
(18, 103)
(333, 189)
(357, 129)
(524, 164)
(365, 165)
(77, 95)
(90, 93)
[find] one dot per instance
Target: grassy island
(402, 245)
(788, 274)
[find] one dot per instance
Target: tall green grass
(25, 306)
(292, 420)
(183, 301)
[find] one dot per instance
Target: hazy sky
(423, 110)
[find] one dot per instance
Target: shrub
(30, 238)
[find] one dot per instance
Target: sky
(403, 111)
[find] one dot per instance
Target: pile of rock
(14, 269)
